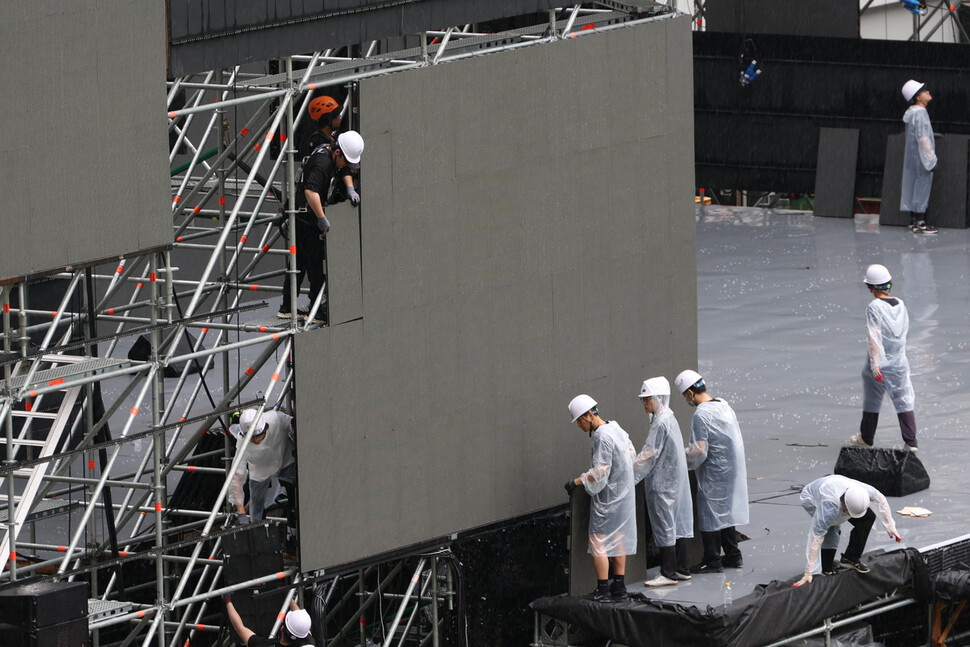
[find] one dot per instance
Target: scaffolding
(85, 420)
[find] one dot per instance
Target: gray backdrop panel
(82, 159)
(501, 275)
(948, 201)
(838, 152)
(892, 177)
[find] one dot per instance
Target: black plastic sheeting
(764, 136)
(772, 612)
(952, 586)
(894, 472)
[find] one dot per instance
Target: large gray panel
(838, 152)
(501, 278)
(83, 151)
(892, 178)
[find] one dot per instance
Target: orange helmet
(322, 106)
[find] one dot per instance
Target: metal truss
(82, 423)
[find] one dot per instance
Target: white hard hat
(655, 386)
(687, 379)
(856, 501)
(352, 145)
(877, 275)
(911, 88)
(298, 623)
(246, 421)
(580, 405)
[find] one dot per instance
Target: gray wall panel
(82, 137)
(502, 274)
(343, 264)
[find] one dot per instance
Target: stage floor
(781, 336)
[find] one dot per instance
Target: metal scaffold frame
(64, 395)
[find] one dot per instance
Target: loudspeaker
(894, 472)
(249, 554)
(73, 633)
(43, 604)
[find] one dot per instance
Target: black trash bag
(894, 472)
(141, 351)
(952, 585)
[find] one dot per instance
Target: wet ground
(781, 336)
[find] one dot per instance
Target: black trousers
(726, 538)
(859, 535)
(310, 255)
(674, 558)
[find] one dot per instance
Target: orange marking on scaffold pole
(177, 199)
(244, 132)
(313, 86)
(32, 393)
(265, 248)
(182, 419)
(276, 377)
(243, 239)
(586, 27)
(123, 553)
(90, 465)
(293, 250)
(283, 137)
(171, 115)
(222, 200)
(139, 285)
(250, 371)
(178, 240)
(205, 330)
(280, 575)
(191, 468)
(196, 209)
(158, 507)
(186, 644)
(6, 307)
(13, 556)
(134, 411)
(153, 277)
(59, 380)
(141, 614)
(269, 136)
(275, 336)
(253, 287)
(200, 628)
(62, 549)
(28, 406)
(119, 269)
(257, 147)
(110, 311)
(280, 615)
(205, 431)
(262, 329)
(53, 314)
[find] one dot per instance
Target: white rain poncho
(822, 499)
(919, 160)
(268, 458)
(888, 324)
(609, 481)
(662, 467)
(716, 454)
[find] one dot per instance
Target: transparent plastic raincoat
(662, 467)
(822, 499)
(609, 481)
(919, 160)
(267, 459)
(888, 326)
(716, 454)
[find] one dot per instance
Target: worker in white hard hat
(919, 157)
(613, 508)
(317, 174)
(887, 367)
(662, 467)
(716, 454)
(295, 631)
(268, 455)
(833, 500)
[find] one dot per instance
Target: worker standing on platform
(716, 454)
(295, 631)
(613, 510)
(919, 158)
(269, 454)
(887, 367)
(833, 500)
(312, 225)
(662, 467)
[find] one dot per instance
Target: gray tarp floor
(781, 336)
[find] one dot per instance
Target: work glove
(323, 225)
(877, 373)
(570, 487)
(242, 519)
(353, 196)
(226, 598)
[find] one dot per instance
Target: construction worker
(312, 225)
(887, 367)
(326, 115)
(612, 515)
(269, 455)
(662, 467)
(919, 157)
(833, 500)
(716, 454)
(295, 631)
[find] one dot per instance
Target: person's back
(723, 474)
(889, 320)
(612, 446)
